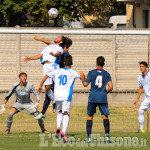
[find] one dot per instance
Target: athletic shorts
(103, 107)
(64, 106)
(27, 106)
(145, 104)
(47, 68)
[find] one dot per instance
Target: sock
(41, 124)
(89, 124)
(10, 119)
(65, 123)
(50, 94)
(141, 119)
(59, 119)
(46, 104)
(106, 126)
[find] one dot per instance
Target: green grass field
(25, 132)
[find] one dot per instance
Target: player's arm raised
(27, 58)
(138, 96)
(110, 87)
(43, 40)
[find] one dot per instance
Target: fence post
(18, 59)
(114, 61)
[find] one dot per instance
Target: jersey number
(55, 66)
(98, 81)
(63, 80)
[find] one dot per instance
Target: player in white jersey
(64, 79)
(50, 60)
(23, 101)
(144, 84)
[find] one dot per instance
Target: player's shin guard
(106, 126)
(59, 119)
(65, 123)
(141, 119)
(50, 94)
(89, 124)
(9, 120)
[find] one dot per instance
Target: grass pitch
(25, 132)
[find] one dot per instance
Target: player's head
(68, 42)
(23, 77)
(60, 40)
(100, 61)
(143, 66)
(68, 60)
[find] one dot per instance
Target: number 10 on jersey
(63, 80)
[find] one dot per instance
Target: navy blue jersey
(65, 53)
(99, 79)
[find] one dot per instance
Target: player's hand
(37, 37)
(51, 53)
(26, 59)
(135, 103)
(36, 106)
(82, 75)
(2, 109)
(40, 89)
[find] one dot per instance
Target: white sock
(141, 119)
(50, 94)
(59, 119)
(65, 123)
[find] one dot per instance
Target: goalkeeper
(23, 101)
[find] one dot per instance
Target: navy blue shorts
(103, 107)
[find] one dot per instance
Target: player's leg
(91, 109)
(32, 111)
(59, 118)
(144, 106)
(105, 112)
(66, 105)
(12, 112)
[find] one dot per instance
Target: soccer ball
(53, 13)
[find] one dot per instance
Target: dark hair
(64, 42)
(69, 42)
(101, 61)
(68, 60)
(143, 63)
(22, 73)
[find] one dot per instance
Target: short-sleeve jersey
(54, 48)
(145, 83)
(98, 79)
(64, 79)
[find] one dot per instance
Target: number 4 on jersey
(98, 81)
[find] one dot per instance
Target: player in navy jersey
(99, 79)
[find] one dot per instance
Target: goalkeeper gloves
(2, 109)
(36, 106)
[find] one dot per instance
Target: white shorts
(47, 68)
(145, 104)
(64, 106)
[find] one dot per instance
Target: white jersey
(64, 79)
(51, 48)
(145, 83)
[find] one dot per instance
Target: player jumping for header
(99, 79)
(143, 83)
(23, 101)
(64, 79)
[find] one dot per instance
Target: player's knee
(104, 117)
(141, 111)
(90, 117)
(11, 113)
(47, 87)
(65, 113)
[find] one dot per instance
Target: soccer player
(61, 63)
(64, 79)
(143, 83)
(23, 101)
(50, 60)
(99, 79)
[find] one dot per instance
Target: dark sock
(89, 124)
(106, 126)
(46, 104)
